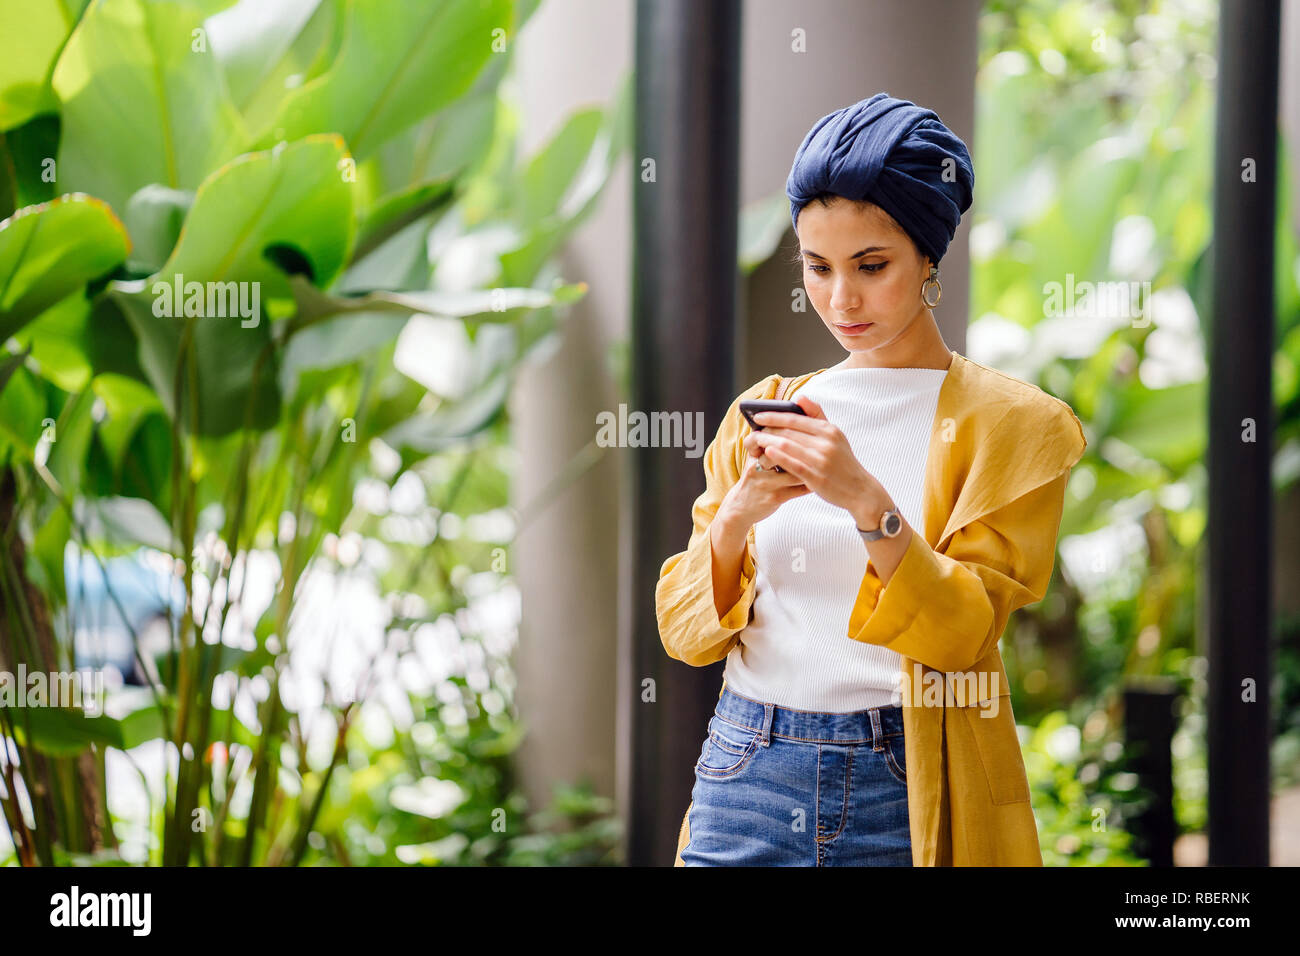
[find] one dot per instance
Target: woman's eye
(872, 268)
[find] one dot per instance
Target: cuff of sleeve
(700, 563)
(880, 613)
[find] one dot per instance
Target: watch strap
(879, 531)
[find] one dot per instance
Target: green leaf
(140, 726)
(293, 196)
(48, 548)
(337, 341)
(62, 732)
(27, 163)
(400, 262)
(234, 368)
(146, 464)
(400, 61)
(110, 342)
(455, 421)
(418, 171)
(73, 432)
(446, 144)
(127, 403)
(489, 364)
(58, 343)
(504, 305)
(154, 217)
(554, 172)
(51, 250)
(267, 49)
(1164, 424)
(143, 101)
(22, 411)
(31, 36)
(562, 183)
(397, 211)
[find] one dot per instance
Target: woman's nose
(844, 298)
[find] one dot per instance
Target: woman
(856, 565)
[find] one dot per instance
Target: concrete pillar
(572, 54)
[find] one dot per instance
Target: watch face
(893, 524)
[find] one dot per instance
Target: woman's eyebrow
(855, 255)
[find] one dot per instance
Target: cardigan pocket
(998, 747)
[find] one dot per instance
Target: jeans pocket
(727, 749)
(895, 754)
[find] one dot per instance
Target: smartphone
(752, 406)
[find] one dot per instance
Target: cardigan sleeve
(689, 626)
(948, 610)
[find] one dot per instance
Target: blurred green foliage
(1093, 155)
(356, 164)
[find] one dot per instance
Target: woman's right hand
(759, 493)
(751, 499)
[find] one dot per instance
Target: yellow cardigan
(1000, 453)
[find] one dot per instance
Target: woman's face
(863, 273)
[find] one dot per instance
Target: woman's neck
(919, 346)
(932, 359)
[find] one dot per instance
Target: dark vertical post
(1149, 724)
(1239, 533)
(683, 356)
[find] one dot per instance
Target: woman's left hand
(817, 453)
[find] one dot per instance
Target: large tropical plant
(221, 223)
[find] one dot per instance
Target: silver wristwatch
(891, 523)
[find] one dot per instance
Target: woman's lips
(853, 329)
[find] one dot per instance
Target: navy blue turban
(890, 152)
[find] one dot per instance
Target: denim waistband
(871, 726)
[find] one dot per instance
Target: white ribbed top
(810, 559)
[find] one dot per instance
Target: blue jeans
(776, 786)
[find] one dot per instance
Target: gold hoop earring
(932, 277)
